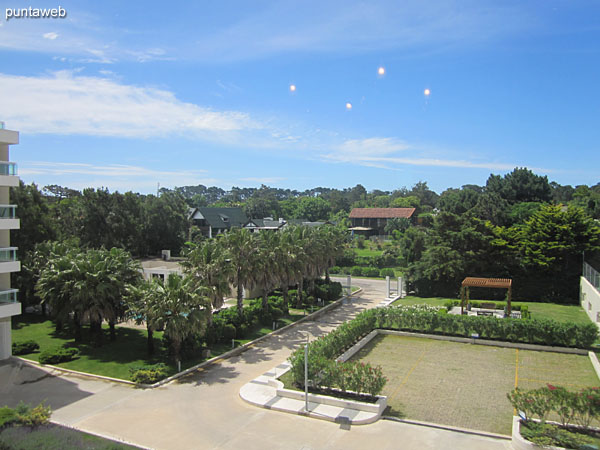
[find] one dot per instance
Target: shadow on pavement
(212, 374)
(20, 381)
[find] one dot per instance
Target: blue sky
(127, 95)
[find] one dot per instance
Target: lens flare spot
(348, 106)
(426, 92)
(292, 88)
(381, 71)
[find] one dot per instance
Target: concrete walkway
(204, 409)
(263, 392)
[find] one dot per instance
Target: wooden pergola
(500, 283)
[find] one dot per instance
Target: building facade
(372, 221)
(9, 305)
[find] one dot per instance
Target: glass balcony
(7, 211)
(8, 296)
(8, 168)
(8, 254)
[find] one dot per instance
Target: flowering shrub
(582, 406)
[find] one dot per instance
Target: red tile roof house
(372, 221)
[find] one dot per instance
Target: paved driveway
(204, 410)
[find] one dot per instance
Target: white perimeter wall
(590, 300)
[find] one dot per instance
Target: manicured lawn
(465, 385)
(54, 437)
(562, 313)
(367, 252)
(115, 359)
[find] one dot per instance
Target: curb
(100, 435)
(449, 428)
(74, 372)
(234, 352)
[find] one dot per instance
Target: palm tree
(292, 262)
(208, 264)
(138, 307)
(333, 241)
(53, 287)
(180, 306)
(268, 264)
(242, 250)
(90, 284)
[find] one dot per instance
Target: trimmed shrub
(24, 414)
(276, 313)
(334, 291)
(58, 355)
(148, 374)
(371, 272)
(387, 273)
(335, 270)
(7, 416)
(24, 347)
(229, 331)
(242, 331)
(356, 271)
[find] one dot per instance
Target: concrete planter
(376, 408)
(520, 443)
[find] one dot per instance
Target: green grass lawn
(114, 359)
(367, 252)
(54, 437)
(562, 313)
(465, 385)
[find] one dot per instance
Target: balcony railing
(7, 211)
(8, 254)
(8, 168)
(8, 296)
(590, 274)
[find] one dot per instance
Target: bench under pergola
(469, 282)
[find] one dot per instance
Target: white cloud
(244, 31)
(382, 153)
(52, 35)
(114, 176)
(64, 103)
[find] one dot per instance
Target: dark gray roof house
(213, 221)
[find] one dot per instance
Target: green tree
(89, 284)
(241, 247)
(268, 262)
(209, 265)
(551, 244)
(520, 185)
(165, 223)
(181, 307)
(312, 209)
(35, 216)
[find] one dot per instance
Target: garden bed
(573, 434)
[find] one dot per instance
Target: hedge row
(525, 314)
(534, 331)
(227, 324)
(427, 319)
(58, 355)
(148, 374)
(24, 347)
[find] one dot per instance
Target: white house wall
(590, 300)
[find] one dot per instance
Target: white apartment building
(9, 306)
